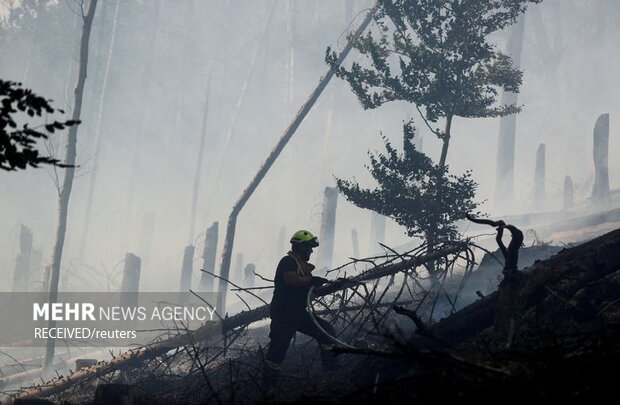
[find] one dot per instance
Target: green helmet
(304, 236)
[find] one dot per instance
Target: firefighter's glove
(319, 281)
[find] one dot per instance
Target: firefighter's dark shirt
(288, 302)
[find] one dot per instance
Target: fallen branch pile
(578, 286)
(236, 323)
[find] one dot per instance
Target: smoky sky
(256, 62)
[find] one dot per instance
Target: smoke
(152, 120)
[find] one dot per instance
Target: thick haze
(163, 54)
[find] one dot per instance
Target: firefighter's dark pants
(282, 331)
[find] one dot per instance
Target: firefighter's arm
(292, 279)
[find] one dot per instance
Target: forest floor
(548, 333)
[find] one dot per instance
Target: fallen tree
(579, 284)
(275, 152)
(245, 318)
(228, 325)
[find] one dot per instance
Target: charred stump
(507, 306)
(600, 191)
(21, 274)
(569, 193)
(208, 256)
(539, 178)
(328, 228)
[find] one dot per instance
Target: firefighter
(288, 308)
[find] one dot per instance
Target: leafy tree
(17, 142)
(415, 192)
(436, 54)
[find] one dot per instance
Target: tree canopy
(437, 55)
(414, 192)
(18, 142)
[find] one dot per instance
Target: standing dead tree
(21, 275)
(504, 172)
(600, 191)
(275, 152)
(539, 179)
(328, 228)
(67, 185)
(508, 307)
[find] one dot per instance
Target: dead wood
(507, 307)
(568, 280)
(228, 324)
(556, 280)
(245, 318)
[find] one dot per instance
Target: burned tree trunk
(325, 175)
(286, 136)
(600, 191)
(377, 230)
(356, 245)
(504, 172)
(130, 285)
(187, 268)
(507, 306)
(445, 140)
(36, 270)
(21, 274)
(208, 256)
(67, 185)
(539, 178)
(569, 194)
(328, 228)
